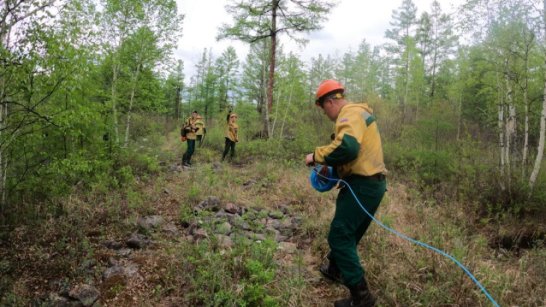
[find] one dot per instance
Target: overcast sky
(348, 24)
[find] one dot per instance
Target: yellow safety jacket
(200, 125)
(231, 132)
(190, 127)
(356, 148)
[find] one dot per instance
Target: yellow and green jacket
(356, 148)
(231, 132)
(200, 125)
(190, 127)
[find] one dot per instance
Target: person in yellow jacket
(201, 129)
(188, 132)
(356, 155)
(232, 137)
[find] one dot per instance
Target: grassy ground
(177, 272)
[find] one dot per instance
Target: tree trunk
(540, 148)
(500, 123)
(131, 102)
(286, 110)
(115, 70)
(459, 115)
(277, 107)
(526, 132)
(272, 57)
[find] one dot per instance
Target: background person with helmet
(188, 132)
(357, 157)
(232, 136)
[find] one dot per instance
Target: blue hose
(403, 236)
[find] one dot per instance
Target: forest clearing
(139, 170)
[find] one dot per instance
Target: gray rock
(86, 294)
(124, 252)
(223, 228)
(170, 228)
(276, 214)
(56, 300)
(241, 223)
(112, 244)
(225, 215)
(212, 203)
(199, 233)
(150, 222)
(231, 208)
(138, 240)
(120, 272)
(273, 223)
(224, 241)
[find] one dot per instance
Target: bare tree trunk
(115, 70)
(459, 116)
(500, 123)
(286, 110)
(540, 148)
(277, 107)
(272, 57)
(526, 133)
(131, 102)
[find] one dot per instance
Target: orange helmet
(326, 87)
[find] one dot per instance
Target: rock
(86, 294)
(270, 231)
(287, 223)
(166, 191)
(288, 247)
(120, 272)
(170, 228)
(112, 244)
(224, 241)
(225, 215)
(124, 252)
(199, 233)
(56, 300)
(150, 222)
(276, 214)
(241, 223)
(212, 203)
(288, 232)
(138, 240)
(231, 208)
(273, 223)
(223, 228)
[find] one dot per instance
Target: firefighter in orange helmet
(356, 155)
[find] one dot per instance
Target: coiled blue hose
(403, 236)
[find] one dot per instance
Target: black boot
(360, 297)
(330, 270)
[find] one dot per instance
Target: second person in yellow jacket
(231, 136)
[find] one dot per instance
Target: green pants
(189, 152)
(351, 222)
